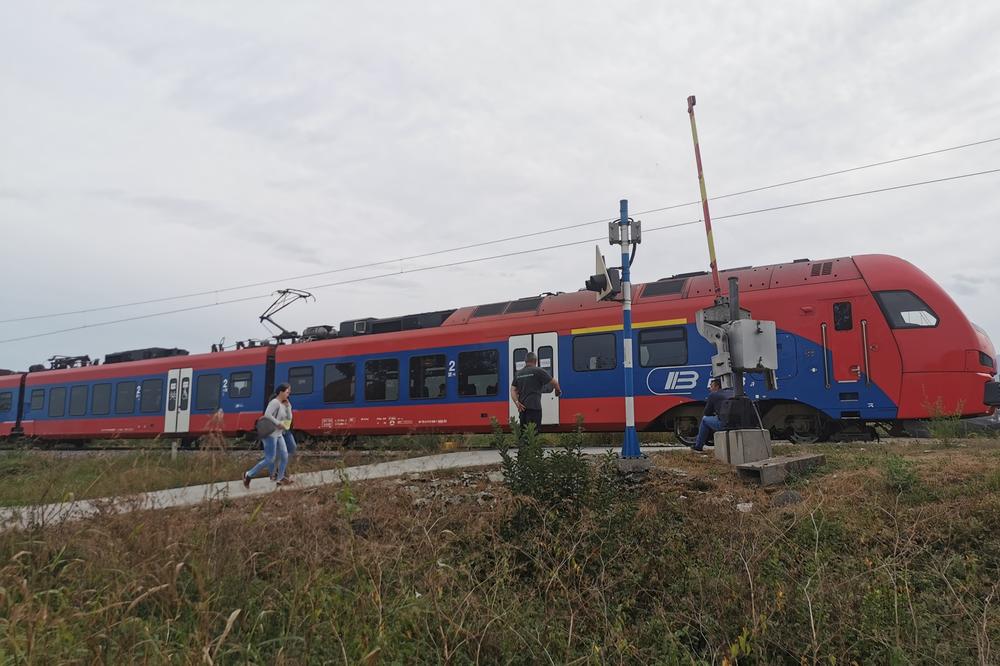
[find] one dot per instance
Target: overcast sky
(150, 150)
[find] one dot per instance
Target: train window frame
(6, 401)
(518, 356)
(381, 381)
(352, 382)
(105, 408)
(297, 379)
(57, 404)
(418, 367)
(215, 397)
(463, 373)
(646, 332)
(894, 316)
(578, 367)
(235, 378)
(146, 405)
(129, 395)
(843, 316)
(543, 356)
(37, 401)
(78, 407)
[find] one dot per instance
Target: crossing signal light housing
(606, 282)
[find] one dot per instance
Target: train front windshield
(903, 309)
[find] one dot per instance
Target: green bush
(559, 479)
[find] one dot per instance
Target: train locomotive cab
(947, 363)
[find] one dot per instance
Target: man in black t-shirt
(526, 390)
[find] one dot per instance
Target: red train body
(863, 340)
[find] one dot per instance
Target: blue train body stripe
(800, 379)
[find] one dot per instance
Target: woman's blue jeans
(270, 448)
(289, 442)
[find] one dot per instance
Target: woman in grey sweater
(279, 413)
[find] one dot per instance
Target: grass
(670, 572)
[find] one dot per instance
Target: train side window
(519, 354)
(101, 399)
(207, 392)
(382, 379)
(78, 401)
(37, 399)
(842, 319)
(240, 384)
(545, 357)
(6, 401)
(125, 397)
(152, 394)
(478, 373)
(594, 352)
(338, 382)
(301, 379)
(427, 374)
(660, 347)
(57, 401)
(903, 309)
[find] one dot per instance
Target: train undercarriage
(797, 423)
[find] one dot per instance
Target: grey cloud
(203, 215)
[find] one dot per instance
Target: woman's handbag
(265, 427)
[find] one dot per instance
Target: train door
(178, 412)
(546, 347)
(842, 338)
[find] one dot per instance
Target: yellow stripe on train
(618, 327)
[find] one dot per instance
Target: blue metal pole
(630, 448)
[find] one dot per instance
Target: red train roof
(10, 381)
(219, 360)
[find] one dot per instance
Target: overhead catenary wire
(515, 253)
(470, 246)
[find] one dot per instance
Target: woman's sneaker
(246, 480)
(283, 482)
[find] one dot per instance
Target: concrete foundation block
(735, 447)
(774, 470)
(633, 465)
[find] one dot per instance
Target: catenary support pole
(630, 447)
(704, 201)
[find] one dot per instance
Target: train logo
(675, 381)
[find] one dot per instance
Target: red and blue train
(863, 341)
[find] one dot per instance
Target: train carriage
(177, 395)
(862, 340)
(10, 401)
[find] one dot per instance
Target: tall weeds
(668, 572)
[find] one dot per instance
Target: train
(864, 343)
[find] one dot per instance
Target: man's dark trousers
(532, 416)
